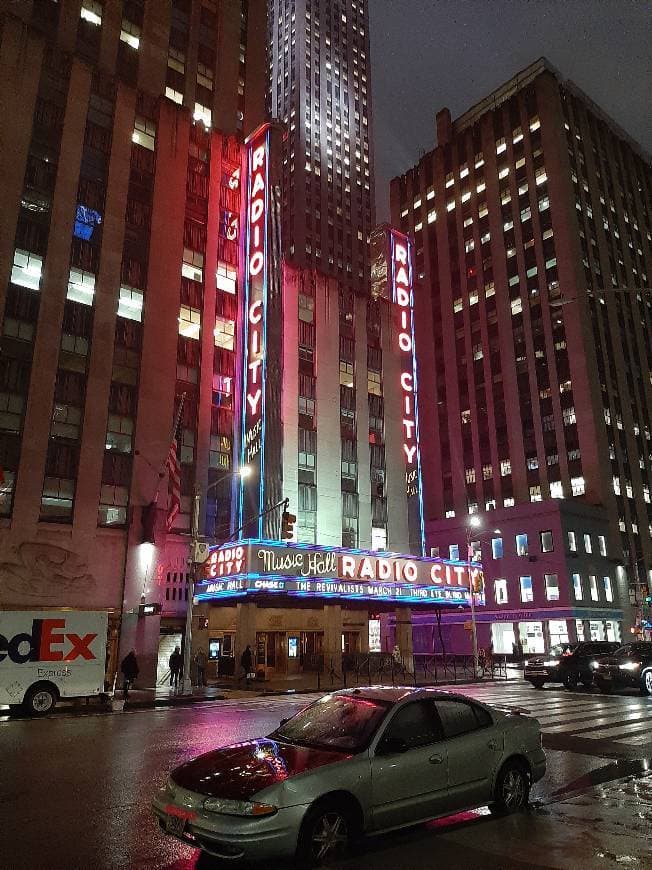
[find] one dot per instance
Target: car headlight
(238, 808)
(551, 663)
(630, 666)
(594, 666)
(525, 663)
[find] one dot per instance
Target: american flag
(174, 484)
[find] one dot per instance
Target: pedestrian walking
(246, 660)
(129, 670)
(200, 665)
(176, 663)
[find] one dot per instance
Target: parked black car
(567, 663)
(629, 667)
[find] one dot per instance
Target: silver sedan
(357, 762)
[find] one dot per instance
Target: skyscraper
(319, 87)
(533, 228)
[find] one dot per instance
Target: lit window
(508, 501)
(541, 175)
(521, 545)
(176, 60)
(517, 305)
(203, 114)
(577, 587)
(526, 589)
(500, 591)
(517, 135)
(91, 11)
(346, 374)
(593, 585)
(505, 467)
(226, 277)
(374, 383)
(144, 132)
(608, 591)
(130, 34)
(578, 486)
(535, 493)
(130, 303)
(572, 542)
(535, 123)
(113, 505)
(556, 489)
(192, 265)
(378, 539)
(496, 548)
(224, 333)
(189, 322)
(81, 286)
(587, 543)
(453, 551)
(119, 433)
(547, 545)
(552, 587)
(501, 146)
(175, 96)
(27, 269)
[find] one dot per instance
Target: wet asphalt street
(75, 789)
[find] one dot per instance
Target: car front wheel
(326, 834)
(512, 791)
(646, 683)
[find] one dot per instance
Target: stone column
(332, 639)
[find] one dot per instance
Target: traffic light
(287, 526)
(148, 521)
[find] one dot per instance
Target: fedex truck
(51, 654)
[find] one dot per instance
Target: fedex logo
(47, 642)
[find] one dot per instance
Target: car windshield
(631, 649)
(335, 722)
(562, 649)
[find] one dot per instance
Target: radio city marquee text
(257, 227)
(402, 296)
(365, 569)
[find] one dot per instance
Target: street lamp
(474, 522)
(242, 472)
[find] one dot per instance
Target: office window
(26, 270)
(453, 551)
(578, 486)
(113, 505)
(192, 265)
(588, 546)
(552, 587)
(374, 383)
(130, 303)
(144, 133)
(521, 545)
(130, 33)
(608, 591)
(226, 277)
(577, 587)
(572, 542)
(346, 374)
(81, 286)
(497, 548)
(602, 545)
(526, 589)
(224, 333)
(91, 11)
(500, 591)
(593, 584)
(189, 322)
(547, 545)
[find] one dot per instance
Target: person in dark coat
(129, 669)
(176, 663)
(246, 660)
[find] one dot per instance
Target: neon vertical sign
(255, 328)
(403, 299)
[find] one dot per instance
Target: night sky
(427, 54)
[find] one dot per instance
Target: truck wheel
(40, 699)
(538, 684)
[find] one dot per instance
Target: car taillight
(567, 652)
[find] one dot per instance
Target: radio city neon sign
(402, 297)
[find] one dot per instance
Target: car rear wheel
(646, 683)
(538, 684)
(326, 833)
(512, 791)
(571, 680)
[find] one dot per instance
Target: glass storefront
(531, 634)
(503, 638)
(613, 630)
(596, 629)
(558, 630)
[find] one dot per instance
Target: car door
(474, 746)
(409, 785)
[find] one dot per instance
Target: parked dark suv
(567, 663)
(629, 667)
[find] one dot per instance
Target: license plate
(175, 825)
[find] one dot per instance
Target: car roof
(394, 694)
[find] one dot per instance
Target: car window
(416, 723)
(460, 717)
(335, 721)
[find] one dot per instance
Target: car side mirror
(391, 746)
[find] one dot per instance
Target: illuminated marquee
(403, 299)
(254, 566)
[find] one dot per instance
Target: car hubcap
(648, 681)
(513, 790)
(330, 835)
(42, 701)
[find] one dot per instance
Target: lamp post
(243, 471)
(474, 522)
